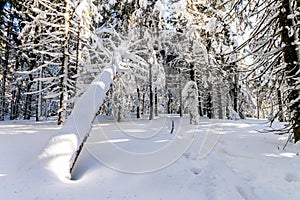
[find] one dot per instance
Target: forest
(149, 99)
(243, 56)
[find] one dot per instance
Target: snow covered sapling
(190, 99)
(232, 114)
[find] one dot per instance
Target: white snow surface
(225, 160)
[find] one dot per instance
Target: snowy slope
(219, 159)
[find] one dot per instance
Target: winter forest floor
(140, 159)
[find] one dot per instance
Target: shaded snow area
(141, 159)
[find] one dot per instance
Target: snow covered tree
(52, 36)
(206, 41)
(108, 40)
(148, 21)
(190, 100)
(289, 25)
(274, 47)
(9, 29)
(124, 57)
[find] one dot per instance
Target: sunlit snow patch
(58, 151)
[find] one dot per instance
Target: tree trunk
(257, 104)
(138, 112)
(81, 126)
(143, 103)
(209, 105)
(192, 72)
(119, 116)
(200, 104)
(292, 65)
(13, 105)
(150, 93)
(280, 110)
(7, 55)
(169, 109)
(28, 100)
(62, 104)
(77, 56)
(3, 87)
(155, 103)
(15, 100)
(220, 103)
(27, 106)
(180, 100)
(235, 93)
(65, 69)
(38, 110)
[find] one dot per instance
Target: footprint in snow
(196, 171)
(291, 178)
(187, 155)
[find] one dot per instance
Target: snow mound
(58, 153)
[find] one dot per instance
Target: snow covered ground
(139, 159)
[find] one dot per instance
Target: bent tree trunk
(292, 65)
(84, 112)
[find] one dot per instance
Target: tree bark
(220, 103)
(138, 112)
(155, 103)
(180, 100)
(15, 100)
(119, 116)
(258, 104)
(192, 72)
(64, 69)
(169, 109)
(143, 104)
(28, 101)
(3, 86)
(280, 110)
(39, 99)
(209, 105)
(235, 92)
(200, 104)
(5, 70)
(292, 65)
(150, 93)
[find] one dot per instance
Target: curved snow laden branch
(79, 123)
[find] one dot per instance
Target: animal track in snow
(291, 178)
